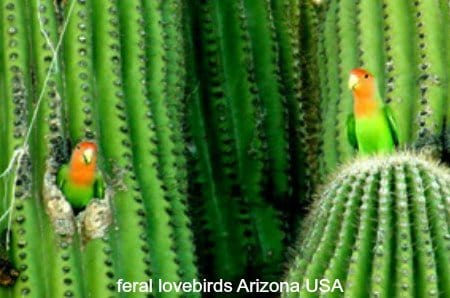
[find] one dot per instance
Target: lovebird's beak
(88, 154)
(352, 81)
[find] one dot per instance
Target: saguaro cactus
(382, 228)
(85, 79)
(248, 129)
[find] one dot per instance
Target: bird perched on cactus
(80, 180)
(371, 128)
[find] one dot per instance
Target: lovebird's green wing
(99, 186)
(351, 134)
(61, 178)
(392, 124)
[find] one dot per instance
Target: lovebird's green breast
(373, 133)
(78, 195)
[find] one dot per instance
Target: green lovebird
(371, 128)
(80, 181)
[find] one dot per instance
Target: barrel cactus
(380, 227)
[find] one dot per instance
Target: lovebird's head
(362, 83)
(85, 154)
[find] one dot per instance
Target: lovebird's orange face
(362, 83)
(83, 163)
(85, 153)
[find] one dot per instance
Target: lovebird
(80, 180)
(371, 128)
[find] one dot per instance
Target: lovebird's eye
(366, 76)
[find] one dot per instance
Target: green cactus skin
(264, 49)
(159, 174)
(403, 44)
(330, 156)
(381, 228)
(445, 6)
(237, 124)
(400, 75)
(84, 85)
(311, 75)
(213, 205)
(96, 259)
(25, 249)
(48, 138)
(286, 17)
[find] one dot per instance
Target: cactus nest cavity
(381, 227)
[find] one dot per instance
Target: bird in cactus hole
(80, 180)
(371, 127)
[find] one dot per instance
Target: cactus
(86, 79)
(216, 121)
(404, 44)
(381, 227)
(243, 116)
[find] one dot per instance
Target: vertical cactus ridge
(236, 122)
(245, 112)
(96, 263)
(440, 231)
(404, 281)
(445, 195)
(311, 79)
(432, 74)
(360, 257)
(382, 255)
(130, 247)
(338, 228)
(349, 56)
(176, 76)
(171, 244)
(265, 52)
(424, 259)
(25, 249)
(370, 40)
(286, 15)
(49, 143)
(323, 85)
(392, 226)
(381, 274)
(445, 7)
(400, 72)
(219, 213)
(145, 156)
(313, 237)
(329, 107)
(78, 71)
(219, 128)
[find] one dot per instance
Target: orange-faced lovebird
(80, 180)
(371, 128)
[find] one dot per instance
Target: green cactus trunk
(381, 227)
(96, 87)
(403, 43)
